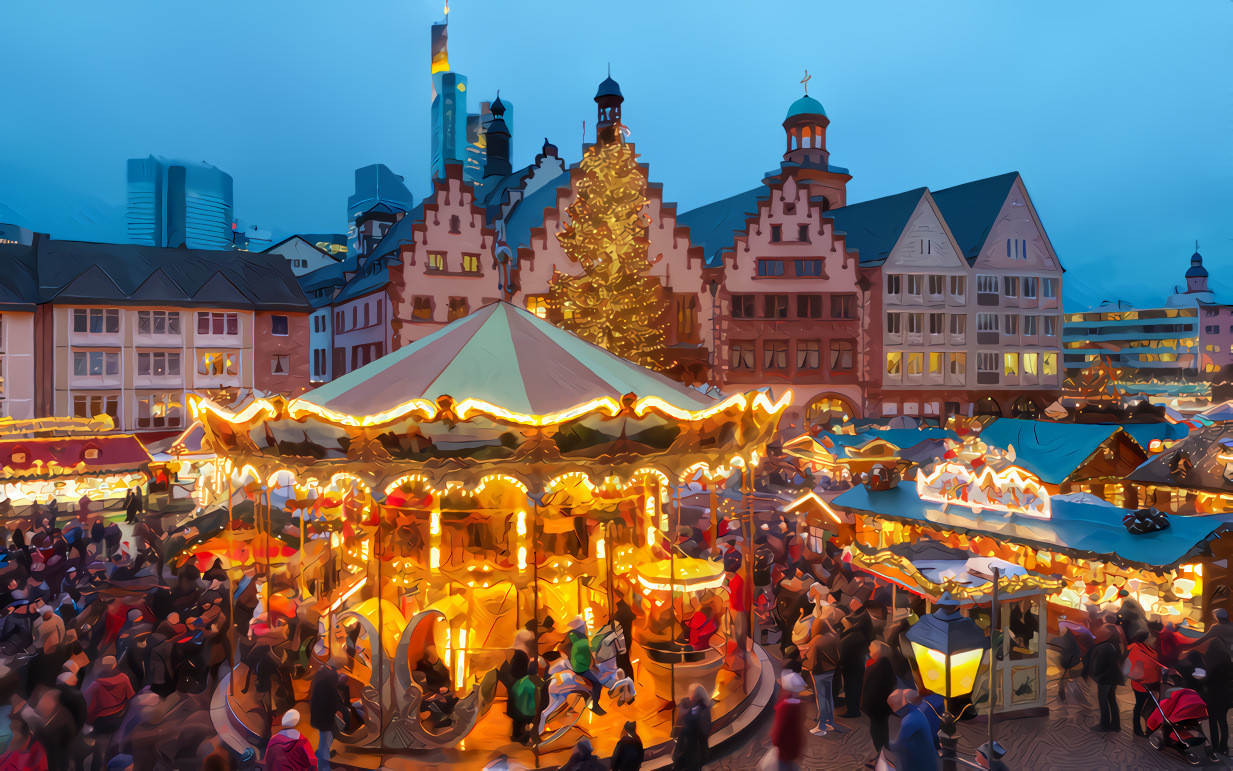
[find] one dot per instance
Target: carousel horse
(564, 683)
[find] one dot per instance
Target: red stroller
(1176, 722)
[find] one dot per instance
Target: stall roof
(1074, 527)
(1204, 448)
(930, 568)
(117, 453)
(506, 356)
(1051, 451)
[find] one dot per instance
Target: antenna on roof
(609, 69)
(805, 82)
(1196, 244)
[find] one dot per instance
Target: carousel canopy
(506, 356)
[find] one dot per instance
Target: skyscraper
(178, 203)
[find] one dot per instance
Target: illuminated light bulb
(434, 523)
(599, 549)
(522, 523)
(434, 558)
(650, 535)
(522, 558)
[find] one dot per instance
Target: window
(1029, 287)
(1050, 326)
(1011, 324)
(158, 363)
(686, 316)
(1210, 312)
(809, 306)
(218, 323)
(894, 283)
(914, 282)
(809, 267)
(459, 307)
(958, 286)
(96, 363)
(958, 365)
(770, 267)
(536, 303)
(436, 260)
(775, 354)
(808, 354)
(936, 285)
(1011, 364)
(937, 323)
(1029, 364)
(278, 325)
(1048, 364)
(775, 306)
(926, 246)
(159, 410)
(776, 234)
(280, 364)
(988, 362)
(96, 321)
(1010, 286)
(893, 362)
(421, 308)
(742, 306)
(802, 233)
(367, 316)
(219, 363)
(893, 323)
(470, 263)
(1048, 287)
(355, 316)
(158, 322)
(842, 355)
(843, 306)
(339, 318)
(741, 354)
(916, 322)
(986, 322)
(1212, 329)
(90, 405)
(935, 363)
(986, 285)
(958, 324)
(1029, 326)
(915, 363)
(455, 224)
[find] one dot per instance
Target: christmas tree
(613, 303)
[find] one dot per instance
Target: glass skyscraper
(178, 203)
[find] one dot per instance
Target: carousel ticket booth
(500, 486)
(1016, 628)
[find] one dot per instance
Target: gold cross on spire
(805, 82)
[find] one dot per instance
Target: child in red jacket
(788, 728)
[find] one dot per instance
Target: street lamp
(947, 648)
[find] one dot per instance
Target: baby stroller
(1176, 723)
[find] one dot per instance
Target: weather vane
(447, 8)
(805, 82)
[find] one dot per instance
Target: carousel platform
(737, 711)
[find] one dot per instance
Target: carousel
(498, 486)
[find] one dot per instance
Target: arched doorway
(988, 406)
(1025, 407)
(829, 410)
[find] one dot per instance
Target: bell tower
(608, 101)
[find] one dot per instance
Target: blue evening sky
(1119, 115)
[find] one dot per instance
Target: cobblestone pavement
(1063, 740)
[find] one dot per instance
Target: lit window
(1010, 364)
(470, 263)
(218, 363)
(421, 308)
(1048, 364)
(538, 304)
(893, 362)
(459, 307)
(915, 363)
(1029, 364)
(935, 364)
(159, 410)
(436, 260)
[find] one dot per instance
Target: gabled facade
(304, 257)
(446, 269)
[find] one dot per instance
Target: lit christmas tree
(613, 302)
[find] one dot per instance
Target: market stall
(501, 476)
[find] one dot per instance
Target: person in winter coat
(822, 659)
(1104, 667)
(788, 727)
(583, 758)
(1218, 692)
(289, 749)
(325, 702)
(854, 642)
(915, 748)
(24, 753)
(628, 753)
(1144, 679)
(692, 732)
(107, 701)
(524, 705)
(880, 683)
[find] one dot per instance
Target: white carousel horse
(563, 682)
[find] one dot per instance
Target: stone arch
(829, 408)
(987, 405)
(1026, 407)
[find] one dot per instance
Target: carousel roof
(507, 357)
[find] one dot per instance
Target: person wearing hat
(289, 749)
(788, 726)
(990, 756)
(628, 753)
(579, 654)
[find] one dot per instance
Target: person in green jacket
(580, 660)
(525, 697)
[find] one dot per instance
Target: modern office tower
(178, 203)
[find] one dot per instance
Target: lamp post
(947, 648)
